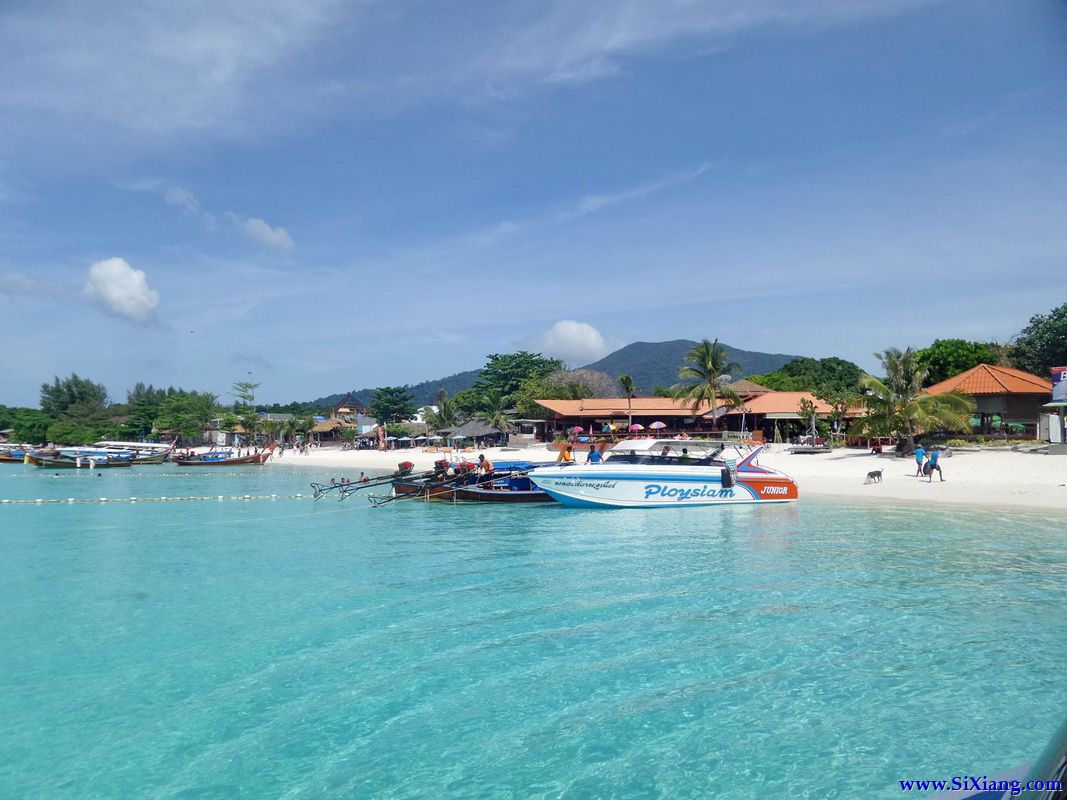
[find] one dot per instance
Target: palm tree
(898, 405)
(289, 429)
(492, 410)
(446, 415)
(271, 428)
(627, 384)
(709, 370)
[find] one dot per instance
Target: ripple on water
(335, 650)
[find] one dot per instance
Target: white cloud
(121, 290)
(572, 42)
(149, 67)
(576, 343)
(595, 202)
(260, 232)
(187, 202)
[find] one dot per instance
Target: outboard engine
(404, 468)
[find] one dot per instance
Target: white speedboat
(654, 473)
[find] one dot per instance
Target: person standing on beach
(932, 464)
(920, 452)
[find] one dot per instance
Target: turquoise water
(287, 648)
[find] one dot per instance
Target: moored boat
(224, 458)
(509, 483)
(78, 462)
(657, 473)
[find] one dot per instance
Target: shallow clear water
(270, 648)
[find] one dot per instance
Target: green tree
(60, 395)
(492, 410)
(708, 371)
(842, 402)
(66, 431)
(506, 372)
(627, 384)
(466, 403)
(144, 402)
(30, 425)
(812, 375)
(897, 405)
(187, 412)
(948, 357)
(446, 415)
(1042, 344)
(391, 404)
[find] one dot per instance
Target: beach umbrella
(636, 427)
(405, 439)
(577, 429)
(658, 425)
(390, 438)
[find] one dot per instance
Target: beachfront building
(1008, 401)
(596, 414)
(662, 415)
(770, 415)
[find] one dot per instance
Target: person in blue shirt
(932, 464)
(920, 452)
(595, 456)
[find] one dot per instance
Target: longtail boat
(13, 456)
(81, 462)
(224, 459)
(507, 484)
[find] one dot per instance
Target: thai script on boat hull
(580, 484)
(708, 490)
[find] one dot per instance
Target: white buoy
(38, 500)
(70, 499)
(103, 499)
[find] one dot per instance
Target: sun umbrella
(577, 429)
(658, 425)
(636, 427)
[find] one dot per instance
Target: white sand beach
(972, 478)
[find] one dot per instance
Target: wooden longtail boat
(85, 462)
(206, 460)
(12, 457)
(509, 484)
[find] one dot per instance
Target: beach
(974, 478)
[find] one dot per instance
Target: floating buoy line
(73, 501)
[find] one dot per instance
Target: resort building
(1007, 400)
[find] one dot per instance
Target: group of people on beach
(927, 469)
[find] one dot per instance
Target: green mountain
(425, 393)
(656, 363)
(650, 363)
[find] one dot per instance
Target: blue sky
(336, 195)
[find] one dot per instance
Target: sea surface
(269, 648)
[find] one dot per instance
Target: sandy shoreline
(977, 479)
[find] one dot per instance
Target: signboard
(1059, 384)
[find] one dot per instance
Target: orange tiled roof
(782, 403)
(616, 407)
(987, 379)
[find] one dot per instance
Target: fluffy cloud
(119, 289)
(260, 232)
(574, 342)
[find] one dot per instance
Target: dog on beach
(874, 476)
